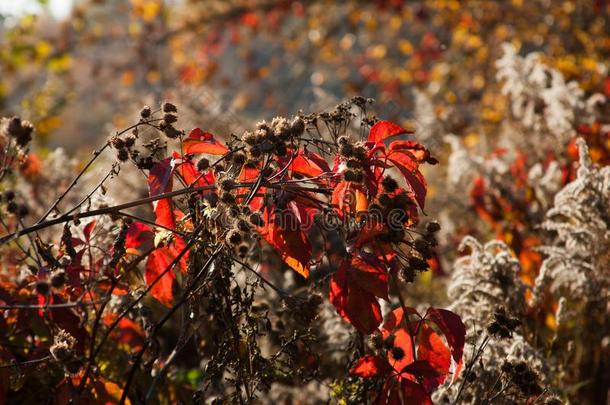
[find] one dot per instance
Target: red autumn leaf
(349, 197)
(452, 327)
(386, 129)
(421, 368)
(138, 233)
(159, 182)
(353, 303)
(395, 318)
(165, 214)
(160, 177)
(414, 394)
(158, 261)
(370, 274)
(284, 233)
(317, 160)
(408, 168)
(107, 392)
(309, 164)
(187, 170)
(203, 142)
(175, 247)
(127, 331)
(88, 230)
(411, 392)
(370, 366)
(302, 165)
(65, 318)
(402, 339)
(414, 150)
(432, 348)
(251, 174)
(369, 232)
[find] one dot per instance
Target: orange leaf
(309, 164)
(452, 327)
(159, 182)
(284, 233)
(370, 275)
(412, 175)
(370, 366)
(386, 129)
(433, 349)
(158, 261)
(349, 197)
(203, 142)
(353, 303)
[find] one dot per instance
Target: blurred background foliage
(88, 65)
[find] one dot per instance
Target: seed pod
(255, 151)
(239, 158)
(243, 226)
(169, 108)
(397, 353)
(172, 132)
(493, 328)
(242, 250)
(122, 155)
(408, 274)
(66, 241)
(350, 175)
(417, 264)
(233, 237)
(118, 246)
(12, 207)
(388, 342)
(385, 199)
(130, 141)
(14, 126)
(249, 138)
(227, 184)
(360, 152)
(203, 164)
(376, 341)
(433, 227)
(145, 112)
(281, 150)
(389, 184)
(342, 140)
(58, 278)
(346, 150)
(23, 211)
(353, 164)
(227, 198)
(170, 118)
(212, 199)
(117, 142)
(256, 219)
(21, 130)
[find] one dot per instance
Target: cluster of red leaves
(425, 359)
(369, 262)
(31, 314)
(287, 205)
(363, 275)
